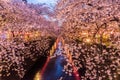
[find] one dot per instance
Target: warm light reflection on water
(37, 76)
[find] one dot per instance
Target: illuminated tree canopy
(91, 29)
(24, 34)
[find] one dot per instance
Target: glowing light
(37, 76)
(84, 33)
(26, 37)
(9, 35)
(37, 34)
(88, 40)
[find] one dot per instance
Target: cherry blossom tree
(91, 28)
(24, 34)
